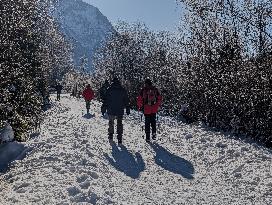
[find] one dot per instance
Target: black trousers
(58, 95)
(150, 120)
(88, 105)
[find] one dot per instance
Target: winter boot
(110, 137)
(147, 139)
(119, 137)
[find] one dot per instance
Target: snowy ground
(71, 162)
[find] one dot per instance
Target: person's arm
(159, 99)
(127, 103)
(92, 94)
(140, 100)
(84, 94)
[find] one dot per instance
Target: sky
(158, 15)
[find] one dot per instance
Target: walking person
(88, 95)
(102, 92)
(149, 100)
(58, 89)
(115, 102)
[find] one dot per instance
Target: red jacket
(149, 98)
(88, 94)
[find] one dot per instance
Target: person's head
(148, 82)
(116, 80)
(88, 86)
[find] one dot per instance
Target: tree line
(33, 55)
(219, 64)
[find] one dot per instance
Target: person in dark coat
(149, 100)
(115, 102)
(102, 92)
(58, 89)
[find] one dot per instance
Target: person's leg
(111, 126)
(153, 125)
(119, 128)
(103, 108)
(88, 104)
(58, 96)
(147, 127)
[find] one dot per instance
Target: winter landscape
(94, 111)
(71, 162)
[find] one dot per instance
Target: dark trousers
(119, 127)
(150, 120)
(58, 95)
(88, 105)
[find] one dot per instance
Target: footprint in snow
(203, 140)
(84, 141)
(94, 175)
(221, 145)
(73, 191)
(89, 153)
(188, 136)
(82, 178)
(21, 188)
(85, 185)
(91, 198)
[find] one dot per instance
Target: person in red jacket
(88, 95)
(149, 100)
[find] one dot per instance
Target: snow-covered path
(72, 162)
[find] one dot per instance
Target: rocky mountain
(85, 27)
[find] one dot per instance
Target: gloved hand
(103, 109)
(128, 111)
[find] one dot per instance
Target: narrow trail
(72, 162)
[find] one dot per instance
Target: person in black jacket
(102, 92)
(115, 102)
(58, 89)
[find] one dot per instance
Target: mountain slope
(71, 162)
(84, 26)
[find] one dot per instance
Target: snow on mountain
(84, 26)
(72, 162)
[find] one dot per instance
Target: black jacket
(103, 91)
(58, 88)
(116, 100)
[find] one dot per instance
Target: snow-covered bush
(229, 64)
(136, 53)
(6, 133)
(220, 64)
(32, 55)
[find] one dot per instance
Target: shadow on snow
(124, 161)
(10, 152)
(172, 162)
(89, 116)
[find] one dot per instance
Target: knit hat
(148, 82)
(115, 80)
